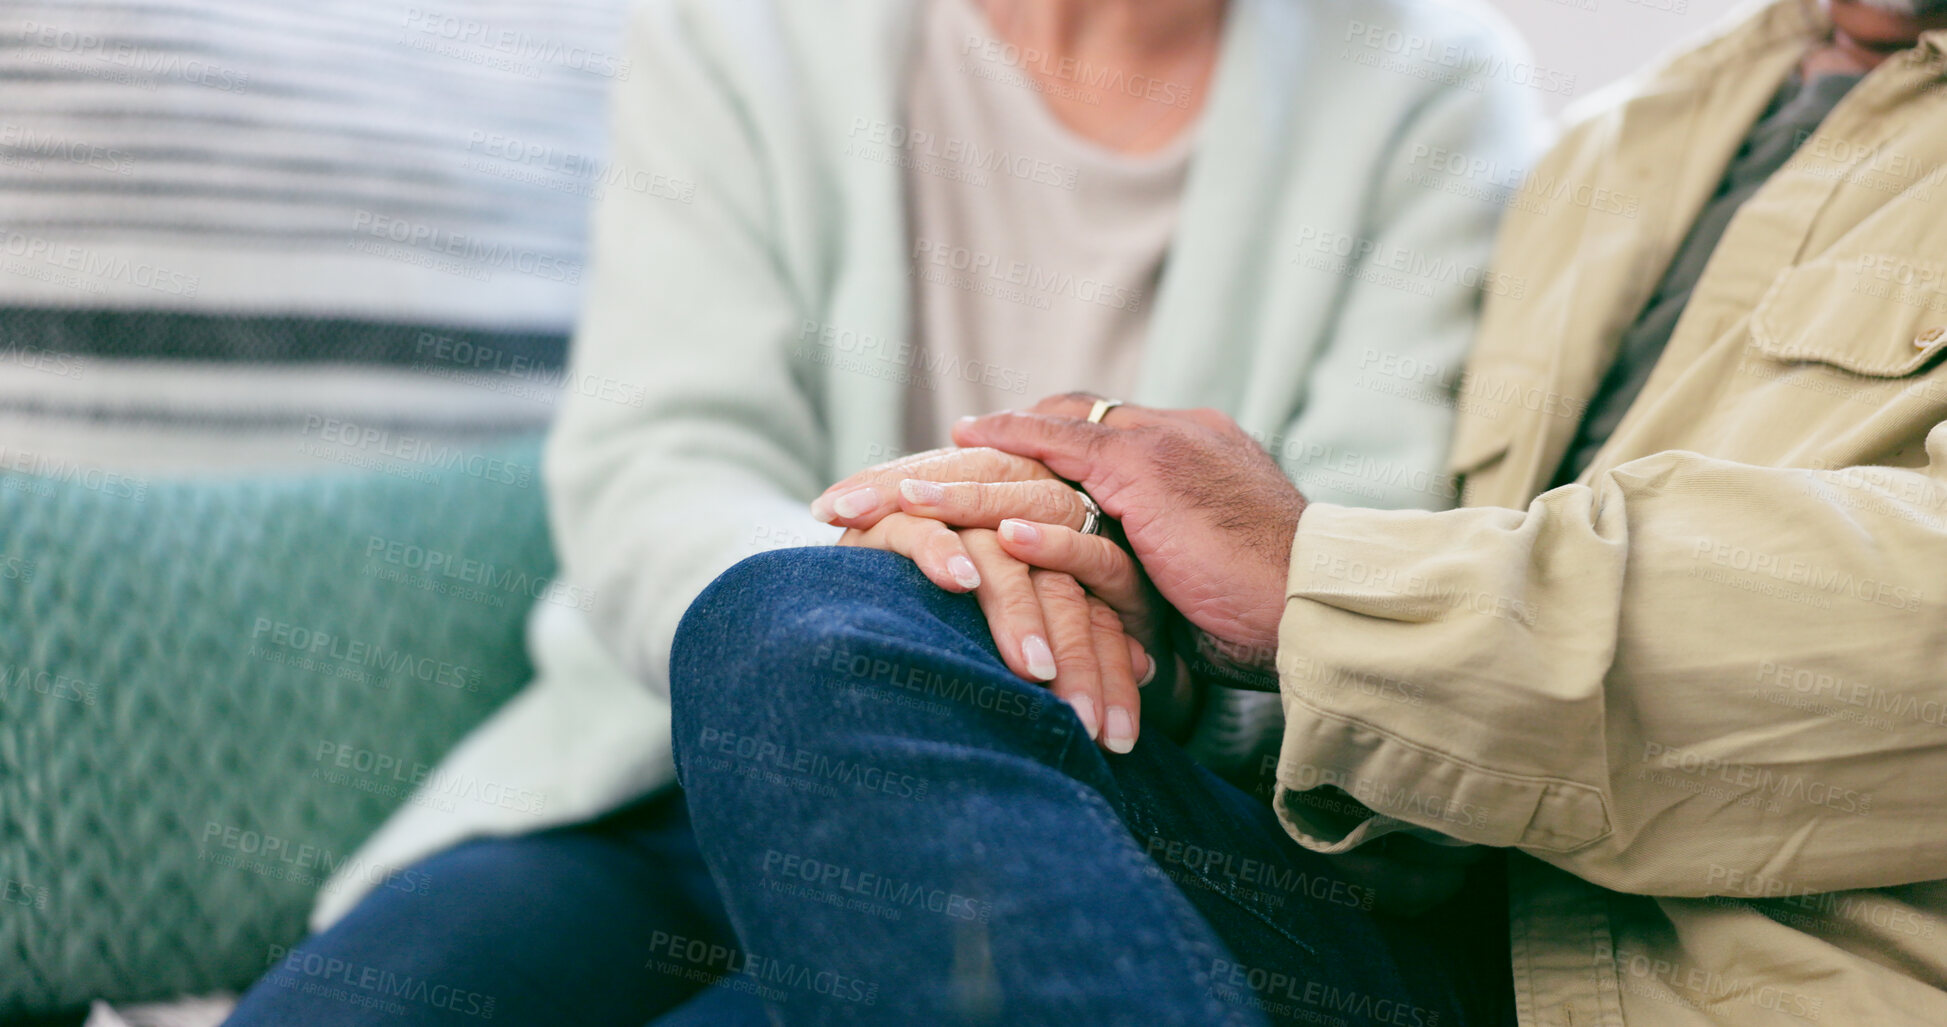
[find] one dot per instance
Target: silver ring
(1101, 409)
(1091, 514)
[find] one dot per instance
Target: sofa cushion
(211, 690)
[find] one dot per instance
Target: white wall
(1597, 41)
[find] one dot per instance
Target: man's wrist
(1232, 664)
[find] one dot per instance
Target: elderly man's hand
(1205, 508)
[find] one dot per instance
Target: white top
(1035, 252)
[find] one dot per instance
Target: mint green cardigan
(1321, 290)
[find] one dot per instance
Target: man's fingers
(1121, 702)
(1079, 405)
(1099, 564)
(1013, 609)
(970, 504)
(1072, 630)
(1069, 446)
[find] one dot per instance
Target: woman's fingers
(1012, 607)
(1072, 630)
(936, 549)
(1045, 625)
(1099, 564)
(973, 504)
(1121, 700)
(861, 499)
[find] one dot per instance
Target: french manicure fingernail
(963, 571)
(1085, 709)
(1041, 659)
(1150, 674)
(1121, 735)
(821, 508)
(856, 502)
(1016, 530)
(925, 493)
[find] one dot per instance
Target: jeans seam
(1222, 890)
(1185, 944)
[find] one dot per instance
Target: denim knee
(788, 642)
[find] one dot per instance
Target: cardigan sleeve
(687, 438)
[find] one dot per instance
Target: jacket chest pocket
(1850, 350)
(1874, 315)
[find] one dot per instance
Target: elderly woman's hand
(1066, 608)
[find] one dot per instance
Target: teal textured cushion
(212, 689)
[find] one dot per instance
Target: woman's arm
(687, 439)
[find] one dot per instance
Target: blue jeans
(557, 927)
(905, 832)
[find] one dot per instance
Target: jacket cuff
(1356, 765)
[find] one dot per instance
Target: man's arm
(1689, 674)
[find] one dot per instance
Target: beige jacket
(1703, 691)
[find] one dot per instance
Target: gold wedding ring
(1101, 409)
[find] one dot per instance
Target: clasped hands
(1208, 516)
